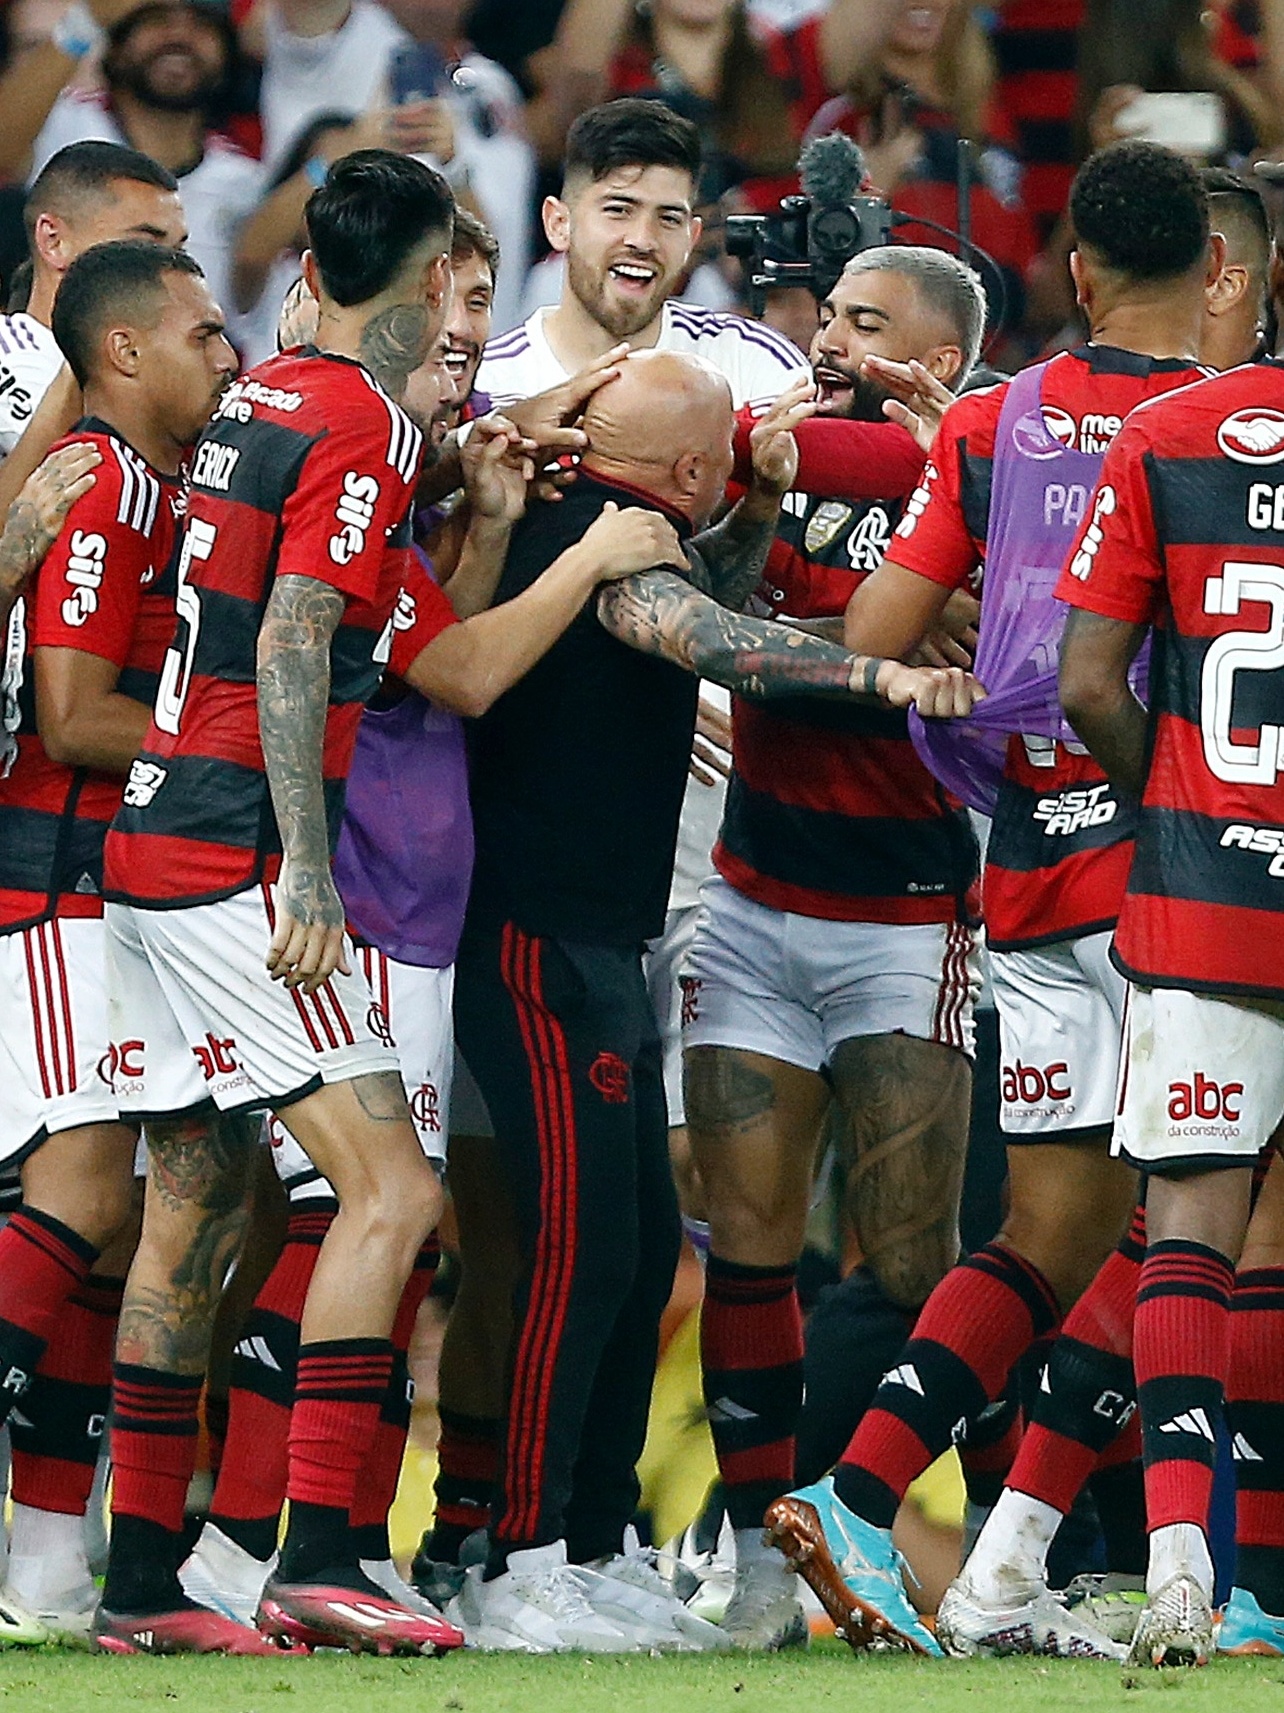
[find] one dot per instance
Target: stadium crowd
(578, 739)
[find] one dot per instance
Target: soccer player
(145, 340)
(1185, 536)
(577, 784)
(833, 955)
(228, 958)
(1056, 863)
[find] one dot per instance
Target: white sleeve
(24, 379)
(72, 119)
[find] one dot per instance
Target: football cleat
(363, 1619)
(1175, 1626)
(852, 1568)
(1043, 1624)
(538, 1605)
(223, 1576)
(628, 1591)
(764, 1613)
(18, 1627)
(1246, 1629)
(188, 1630)
(1111, 1601)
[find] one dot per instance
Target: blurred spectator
(458, 109)
(167, 67)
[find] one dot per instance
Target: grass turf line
(824, 1678)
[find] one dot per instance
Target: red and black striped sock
(57, 1441)
(467, 1469)
(1181, 1352)
(978, 1322)
(339, 1392)
(256, 1452)
(1087, 1393)
(1255, 1411)
(42, 1261)
(153, 1453)
(377, 1486)
(751, 1347)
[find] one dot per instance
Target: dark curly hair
(1141, 209)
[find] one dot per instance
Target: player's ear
(49, 240)
(688, 472)
(1079, 273)
(944, 361)
(311, 274)
(557, 224)
(1216, 256)
(439, 283)
(122, 350)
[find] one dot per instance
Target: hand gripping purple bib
(1040, 489)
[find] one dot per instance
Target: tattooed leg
(754, 1124)
(360, 1136)
(194, 1219)
(906, 1104)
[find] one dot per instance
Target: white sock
(1011, 1552)
(751, 1549)
(1179, 1549)
(46, 1555)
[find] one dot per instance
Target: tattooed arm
(658, 612)
(36, 516)
(293, 694)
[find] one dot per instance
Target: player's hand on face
(771, 441)
(550, 418)
(711, 751)
(919, 400)
(49, 493)
(497, 466)
(632, 540)
(307, 942)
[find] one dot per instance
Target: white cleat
(703, 1581)
(223, 1576)
(628, 1590)
(18, 1627)
(1175, 1626)
(1043, 1624)
(537, 1606)
(764, 1613)
(384, 1574)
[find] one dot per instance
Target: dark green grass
(826, 1678)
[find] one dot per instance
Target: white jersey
(218, 193)
(29, 360)
(759, 363)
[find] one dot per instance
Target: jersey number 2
(176, 675)
(1241, 651)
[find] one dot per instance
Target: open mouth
(634, 277)
(456, 362)
(835, 390)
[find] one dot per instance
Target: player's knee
(396, 1211)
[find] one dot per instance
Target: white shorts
(1060, 1019)
(662, 966)
(194, 1015)
(1202, 1081)
(417, 1005)
(794, 987)
(54, 1061)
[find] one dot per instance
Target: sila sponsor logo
(1206, 1101)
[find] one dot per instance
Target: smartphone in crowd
(417, 72)
(1191, 123)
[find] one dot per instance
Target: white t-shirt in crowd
(216, 194)
(346, 71)
(759, 364)
(29, 360)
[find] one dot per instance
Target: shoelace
(563, 1595)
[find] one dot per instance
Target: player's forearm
(735, 551)
(479, 564)
(293, 698)
(105, 734)
(28, 91)
(53, 417)
(1096, 654)
(469, 666)
(659, 613)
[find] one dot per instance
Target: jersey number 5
(176, 675)
(1241, 651)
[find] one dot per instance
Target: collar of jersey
(1114, 360)
(96, 425)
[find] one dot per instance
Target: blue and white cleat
(853, 1569)
(1246, 1629)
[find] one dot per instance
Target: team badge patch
(1253, 436)
(824, 524)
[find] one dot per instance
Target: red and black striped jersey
(106, 588)
(829, 811)
(1187, 534)
(307, 470)
(1058, 852)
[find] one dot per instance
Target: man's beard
(620, 320)
(867, 400)
(137, 79)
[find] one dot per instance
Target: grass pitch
(825, 1678)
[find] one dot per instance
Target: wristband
(316, 169)
(77, 32)
(869, 675)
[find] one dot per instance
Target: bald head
(665, 425)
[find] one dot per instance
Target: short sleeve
(422, 612)
(92, 580)
(1115, 568)
(933, 537)
(347, 500)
